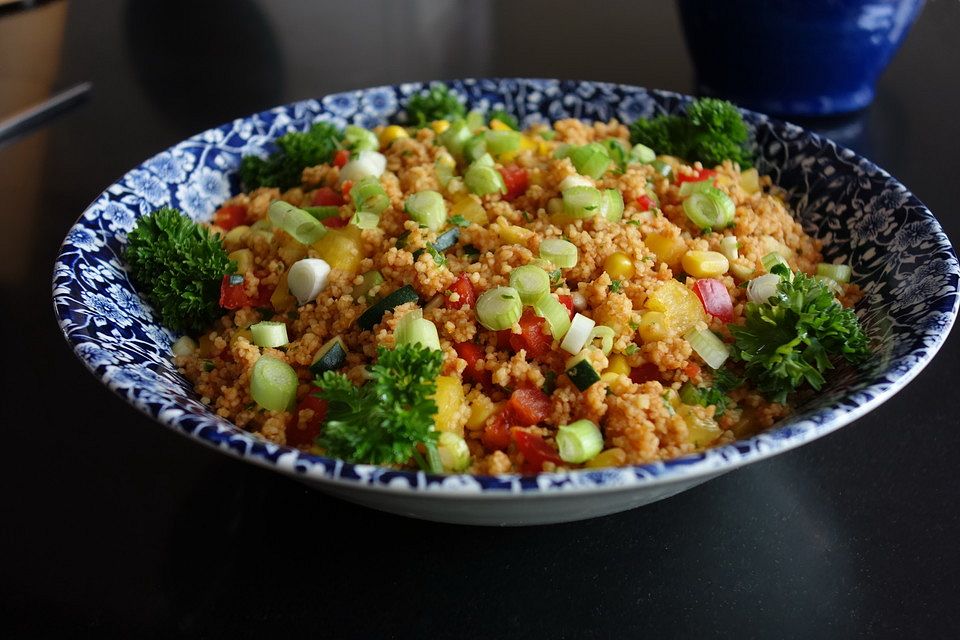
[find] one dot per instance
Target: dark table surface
(113, 525)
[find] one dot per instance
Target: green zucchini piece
(331, 356)
(443, 242)
(374, 313)
(581, 373)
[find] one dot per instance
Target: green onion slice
(365, 220)
(455, 137)
(269, 334)
(307, 278)
(606, 335)
(475, 147)
(642, 153)
(428, 209)
(836, 272)
(579, 441)
(611, 206)
(368, 195)
(772, 259)
(360, 139)
(273, 384)
(499, 308)
(709, 208)
(502, 141)
(555, 313)
(708, 346)
(482, 179)
(578, 335)
(590, 159)
(444, 167)
(531, 282)
(662, 168)
(559, 252)
(581, 202)
(297, 222)
(324, 212)
(729, 247)
(695, 187)
(454, 452)
(413, 328)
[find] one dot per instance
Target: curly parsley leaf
(383, 421)
(295, 152)
(459, 221)
(178, 266)
(437, 103)
(792, 338)
(710, 130)
(724, 381)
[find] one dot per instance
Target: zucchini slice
(443, 242)
(331, 356)
(371, 279)
(374, 313)
(581, 373)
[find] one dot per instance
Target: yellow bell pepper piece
(618, 364)
(449, 398)
(499, 125)
(615, 457)
(750, 180)
(653, 326)
(243, 258)
(700, 431)
(282, 299)
(681, 307)
(481, 409)
(470, 208)
(513, 234)
(668, 249)
(439, 126)
(341, 248)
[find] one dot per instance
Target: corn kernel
(619, 266)
(499, 125)
(619, 365)
(439, 126)
(615, 457)
(705, 264)
(609, 377)
(391, 133)
(653, 326)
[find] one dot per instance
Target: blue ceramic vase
(794, 57)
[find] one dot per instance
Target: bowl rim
(781, 437)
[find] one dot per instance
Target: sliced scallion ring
(483, 179)
(413, 328)
(269, 334)
(360, 139)
(297, 222)
(273, 384)
(590, 159)
(531, 282)
(579, 441)
(555, 313)
(772, 259)
(306, 278)
(365, 220)
(611, 205)
(762, 288)
(369, 195)
(559, 252)
(836, 272)
(499, 308)
(581, 202)
(709, 208)
(428, 209)
(708, 346)
(606, 335)
(502, 141)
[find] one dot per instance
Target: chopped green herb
(616, 286)
(459, 220)
(436, 103)
(631, 348)
(208, 366)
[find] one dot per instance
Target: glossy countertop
(115, 526)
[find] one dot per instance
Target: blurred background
(115, 526)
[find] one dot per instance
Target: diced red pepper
(699, 176)
(464, 289)
(474, 355)
(311, 429)
(233, 296)
(327, 197)
(535, 451)
(644, 202)
(335, 222)
(516, 180)
(345, 187)
(496, 435)
(230, 216)
(529, 406)
(567, 301)
(715, 298)
(692, 370)
(646, 372)
(533, 335)
(341, 157)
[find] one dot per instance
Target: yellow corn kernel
(243, 258)
(282, 299)
(470, 208)
(481, 409)
(498, 125)
(680, 306)
(391, 133)
(341, 248)
(513, 234)
(543, 148)
(668, 249)
(619, 266)
(439, 126)
(619, 365)
(653, 326)
(705, 264)
(449, 399)
(750, 180)
(526, 144)
(609, 377)
(615, 457)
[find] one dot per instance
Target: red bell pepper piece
(715, 298)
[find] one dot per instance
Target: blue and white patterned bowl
(900, 255)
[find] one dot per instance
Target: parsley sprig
(791, 338)
(295, 152)
(436, 103)
(383, 421)
(178, 266)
